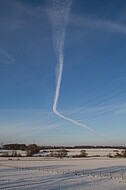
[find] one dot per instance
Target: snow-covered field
(103, 152)
(67, 173)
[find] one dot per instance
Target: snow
(2, 152)
(67, 173)
(103, 152)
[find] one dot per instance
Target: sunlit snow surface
(52, 174)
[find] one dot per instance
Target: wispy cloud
(104, 24)
(5, 57)
(10, 132)
(87, 113)
(16, 13)
(122, 109)
(124, 105)
(27, 111)
(26, 8)
(85, 109)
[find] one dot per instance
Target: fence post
(75, 172)
(100, 174)
(110, 175)
(83, 172)
(91, 173)
(122, 175)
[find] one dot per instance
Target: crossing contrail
(7, 58)
(58, 12)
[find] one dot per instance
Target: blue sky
(93, 82)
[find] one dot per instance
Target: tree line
(30, 149)
(17, 146)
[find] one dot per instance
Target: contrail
(58, 12)
(9, 59)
